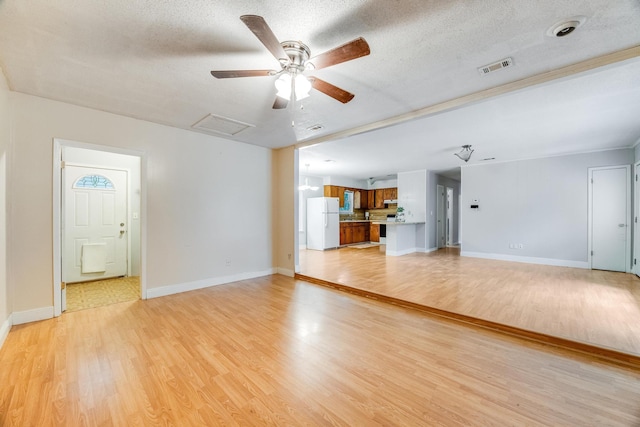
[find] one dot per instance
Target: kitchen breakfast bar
(402, 236)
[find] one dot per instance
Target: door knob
(121, 232)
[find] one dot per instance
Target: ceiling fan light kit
(298, 86)
(295, 58)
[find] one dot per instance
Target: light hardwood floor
(588, 306)
(279, 351)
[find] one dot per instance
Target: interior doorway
(99, 220)
(610, 218)
(441, 216)
(449, 224)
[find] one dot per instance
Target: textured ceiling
(151, 60)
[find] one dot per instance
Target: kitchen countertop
(398, 223)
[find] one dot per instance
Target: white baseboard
(527, 260)
(20, 317)
(431, 250)
(302, 247)
(285, 272)
(5, 328)
(205, 283)
(402, 252)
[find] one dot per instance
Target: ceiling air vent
(221, 125)
(504, 63)
(315, 128)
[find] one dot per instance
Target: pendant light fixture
(465, 153)
(306, 185)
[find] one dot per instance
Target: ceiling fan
(295, 59)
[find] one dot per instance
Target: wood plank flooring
(279, 351)
(587, 306)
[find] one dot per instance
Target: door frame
(635, 268)
(57, 207)
(627, 169)
(441, 216)
(449, 215)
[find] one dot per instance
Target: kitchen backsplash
(374, 214)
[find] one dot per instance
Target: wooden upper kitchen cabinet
(366, 199)
(341, 196)
(369, 199)
(391, 193)
(379, 199)
(335, 191)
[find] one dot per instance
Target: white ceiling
(151, 60)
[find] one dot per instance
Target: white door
(636, 213)
(440, 216)
(449, 232)
(94, 239)
(610, 218)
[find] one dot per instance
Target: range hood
(391, 202)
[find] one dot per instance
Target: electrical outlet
(227, 263)
(289, 256)
(520, 246)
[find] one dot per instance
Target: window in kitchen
(348, 203)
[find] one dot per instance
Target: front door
(610, 218)
(94, 240)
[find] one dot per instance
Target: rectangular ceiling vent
(504, 63)
(221, 125)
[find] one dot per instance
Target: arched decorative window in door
(96, 182)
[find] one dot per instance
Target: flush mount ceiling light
(465, 153)
(566, 27)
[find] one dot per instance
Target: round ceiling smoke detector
(565, 28)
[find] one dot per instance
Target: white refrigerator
(323, 223)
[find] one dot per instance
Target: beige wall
(284, 209)
(209, 200)
(5, 135)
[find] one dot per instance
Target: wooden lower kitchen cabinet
(346, 233)
(354, 232)
(374, 232)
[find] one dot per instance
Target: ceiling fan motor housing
(298, 54)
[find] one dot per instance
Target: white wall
(345, 182)
(541, 203)
(120, 161)
(412, 196)
(208, 199)
(5, 143)
(302, 208)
